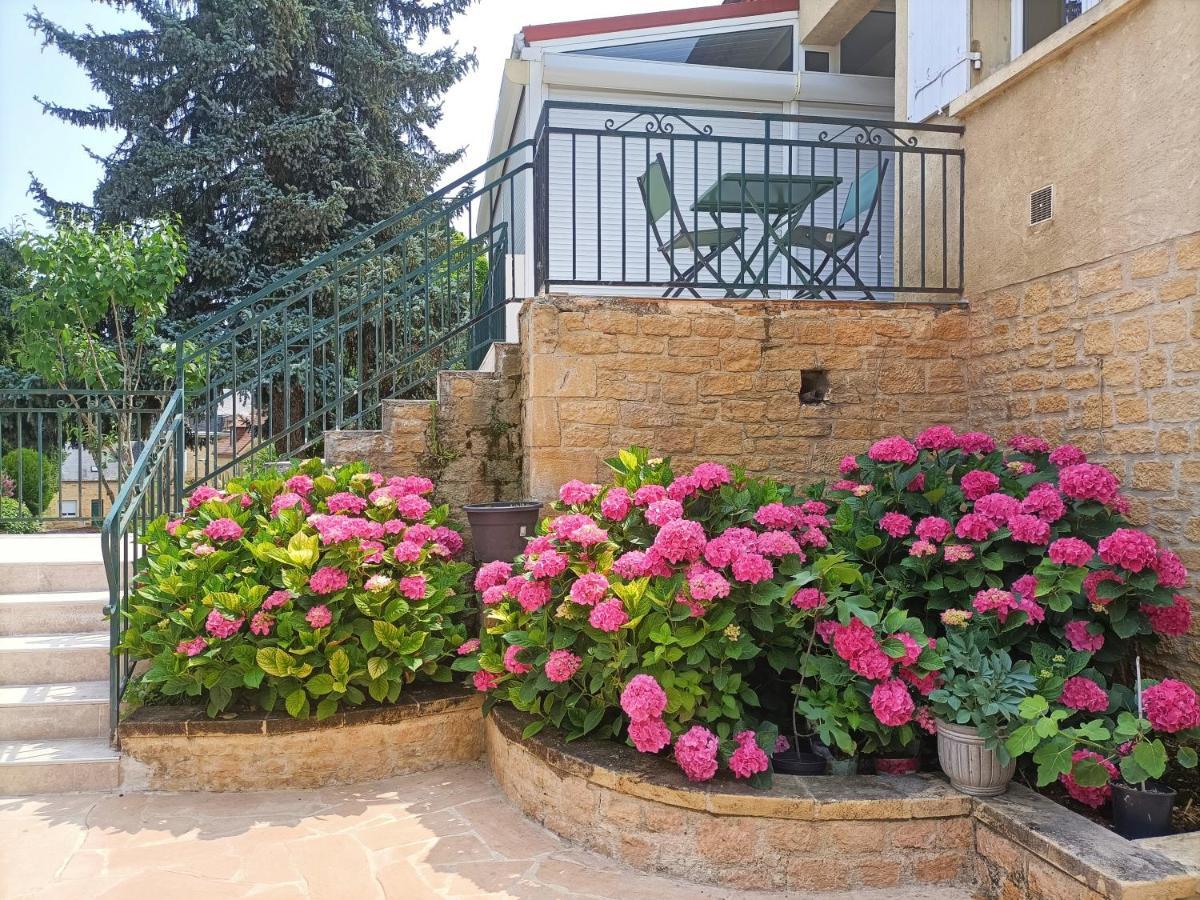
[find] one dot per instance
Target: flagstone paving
(448, 833)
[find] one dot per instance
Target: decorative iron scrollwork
(657, 123)
(868, 134)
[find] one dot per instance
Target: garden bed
(180, 748)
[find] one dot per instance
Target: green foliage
(258, 590)
(15, 518)
(34, 477)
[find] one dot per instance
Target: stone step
(68, 612)
(53, 658)
(58, 766)
(46, 711)
(37, 563)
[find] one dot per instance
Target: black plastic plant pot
(1142, 813)
(501, 530)
(799, 762)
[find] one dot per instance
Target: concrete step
(53, 658)
(69, 612)
(36, 563)
(58, 766)
(46, 711)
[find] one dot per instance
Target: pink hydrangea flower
(979, 482)
(683, 487)
(1170, 569)
(752, 568)
(616, 504)
(1086, 481)
(377, 583)
(261, 623)
(630, 565)
(938, 437)
(933, 528)
(328, 580)
(710, 475)
(775, 515)
(202, 495)
(681, 540)
(1092, 582)
(484, 680)
(782, 745)
(925, 684)
(848, 465)
(998, 507)
(533, 595)
(827, 629)
(411, 484)
(300, 484)
(1025, 443)
(892, 703)
(546, 565)
(956, 618)
(895, 524)
(643, 698)
(976, 442)
(1083, 693)
(912, 650)
(649, 735)
(1094, 797)
(608, 616)
(576, 492)
(1044, 502)
(412, 507)
(696, 753)
(649, 493)
(857, 645)
(221, 626)
(223, 530)
(276, 599)
(917, 484)
(413, 587)
(1130, 549)
(589, 535)
(994, 600)
(492, 573)
(1171, 621)
(561, 665)
(449, 538)
(287, 500)
(1080, 638)
(346, 502)
(974, 527)
(1067, 455)
(194, 647)
(1071, 551)
(894, 449)
(705, 584)
(660, 512)
(776, 544)
(407, 552)
(922, 548)
(319, 616)
(843, 485)
(924, 718)
(808, 598)
(467, 647)
(1029, 529)
(957, 553)
(1171, 706)
(512, 661)
(748, 759)
(589, 588)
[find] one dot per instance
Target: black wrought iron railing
(699, 202)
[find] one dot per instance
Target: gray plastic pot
(971, 766)
(501, 530)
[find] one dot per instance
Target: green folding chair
(704, 244)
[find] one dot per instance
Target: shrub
(34, 476)
(323, 587)
(649, 608)
(15, 518)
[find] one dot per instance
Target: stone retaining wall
(180, 749)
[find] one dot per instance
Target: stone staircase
(53, 666)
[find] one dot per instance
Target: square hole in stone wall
(814, 386)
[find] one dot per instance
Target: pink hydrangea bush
(649, 609)
(307, 591)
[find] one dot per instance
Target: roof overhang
(664, 19)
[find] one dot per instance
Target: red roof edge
(583, 27)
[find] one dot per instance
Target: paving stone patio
(447, 833)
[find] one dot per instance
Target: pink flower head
(892, 703)
(1025, 587)
(649, 493)
(912, 650)
(1044, 502)
(748, 759)
(1024, 443)
(561, 665)
(994, 600)
(696, 753)
(221, 626)
(589, 588)
(706, 584)
(729, 545)
(484, 680)
(1170, 621)
(1086, 481)
(896, 524)
(856, 644)
(660, 512)
(406, 552)
(925, 684)
(540, 544)
(512, 661)
(976, 442)
(848, 465)
(289, 500)
(1071, 551)
(978, 482)
(1171, 706)
(924, 718)
(1067, 455)
(223, 530)
(1095, 797)
(1029, 529)
(752, 568)
(844, 485)
(776, 544)
(466, 648)
(413, 587)
(346, 502)
(813, 508)
(1170, 569)
(576, 492)
(939, 437)
(319, 616)
(1083, 693)
(933, 528)
(956, 618)
(998, 507)
(711, 475)
(410, 484)
(958, 553)
(616, 504)
(808, 598)
(922, 548)
(261, 623)
(533, 595)
(202, 495)
(328, 580)
(782, 745)
(546, 565)
(1092, 582)
(974, 527)
(194, 647)
(412, 507)
(813, 537)
(643, 698)
(775, 515)
(1130, 549)
(589, 535)
(894, 449)
(1080, 638)
(448, 538)
(917, 484)
(300, 484)
(630, 565)
(827, 629)
(492, 573)
(649, 735)
(495, 594)
(681, 540)
(683, 487)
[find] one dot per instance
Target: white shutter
(939, 66)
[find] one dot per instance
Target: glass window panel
(870, 47)
(1041, 18)
(816, 61)
(760, 48)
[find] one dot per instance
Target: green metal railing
(321, 348)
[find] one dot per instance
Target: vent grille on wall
(1041, 205)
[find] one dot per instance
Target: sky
(55, 151)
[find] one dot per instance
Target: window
(68, 509)
(769, 49)
(1035, 20)
(870, 47)
(816, 61)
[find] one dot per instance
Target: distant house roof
(727, 10)
(79, 465)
